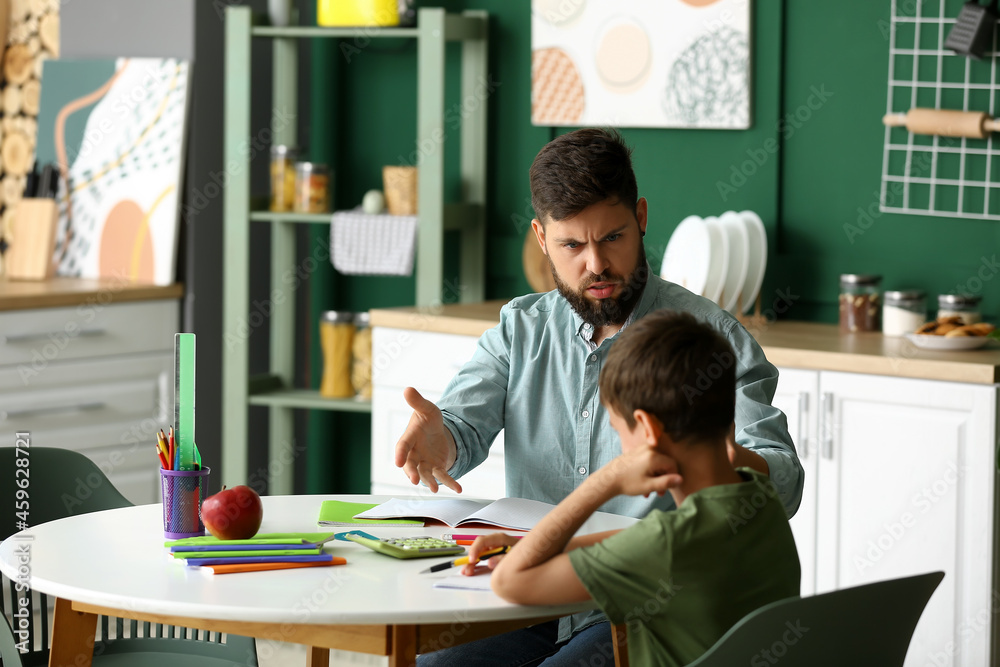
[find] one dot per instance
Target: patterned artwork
(116, 129)
(641, 63)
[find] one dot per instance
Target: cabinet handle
(827, 427)
(8, 339)
(6, 415)
(803, 435)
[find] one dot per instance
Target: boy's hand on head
(643, 471)
(485, 543)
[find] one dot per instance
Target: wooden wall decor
(32, 37)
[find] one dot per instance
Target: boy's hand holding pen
(485, 543)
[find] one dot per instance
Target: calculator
(409, 547)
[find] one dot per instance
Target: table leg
(72, 636)
(317, 657)
(403, 650)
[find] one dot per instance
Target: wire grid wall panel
(928, 174)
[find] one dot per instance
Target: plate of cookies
(949, 333)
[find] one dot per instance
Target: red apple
(233, 514)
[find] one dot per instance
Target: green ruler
(184, 400)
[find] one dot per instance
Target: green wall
(819, 86)
(811, 159)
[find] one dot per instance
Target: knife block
(32, 240)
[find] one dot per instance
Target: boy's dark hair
(677, 369)
(579, 169)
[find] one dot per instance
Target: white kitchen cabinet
(97, 379)
(900, 480)
(427, 361)
(797, 397)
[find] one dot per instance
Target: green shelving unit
(275, 389)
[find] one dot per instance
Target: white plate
(739, 259)
(932, 342)
(718, 264)
(757, 246)
(687, 257)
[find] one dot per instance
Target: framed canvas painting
(116, 131)
(641, 63)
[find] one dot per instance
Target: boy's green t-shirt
(680, 579)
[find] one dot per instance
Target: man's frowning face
(598, 260)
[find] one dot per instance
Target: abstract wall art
(641, 63)
(116, 130)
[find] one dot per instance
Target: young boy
(680, 579)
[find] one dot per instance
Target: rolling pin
(944, 122)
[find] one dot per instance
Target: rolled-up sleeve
(473, 403)
(759, 425)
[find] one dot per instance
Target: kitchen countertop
(56, 292)
(807, 345)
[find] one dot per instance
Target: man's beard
(613, 310)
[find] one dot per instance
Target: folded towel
(373, 244)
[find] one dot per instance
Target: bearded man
(535, 375)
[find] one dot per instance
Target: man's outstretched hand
(426, 450)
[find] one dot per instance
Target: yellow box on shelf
(342, 13)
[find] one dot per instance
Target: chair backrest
(61, 483)
(862, 626)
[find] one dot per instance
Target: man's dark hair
(676, 368)
(579, 169)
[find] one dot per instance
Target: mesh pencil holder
(183, 493)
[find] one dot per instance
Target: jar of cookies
(965, 306)
(860, 303)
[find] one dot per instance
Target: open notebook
(513, 513)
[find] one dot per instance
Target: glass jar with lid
(965, 306)
(283, 178)
(312, 187)
(860, 303)
(361, 367)
(903, 311)
(336, 335)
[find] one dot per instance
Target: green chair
(9, 655)
(65, 483)
(863, 626)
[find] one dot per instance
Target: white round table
(114, 563)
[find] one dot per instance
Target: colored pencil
(159, 455)
(172, 449)
(258, 567)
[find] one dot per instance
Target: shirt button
(586, 413)
(587, 327)
(593, 357)
(582, 470)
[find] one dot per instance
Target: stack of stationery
(265, 551)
